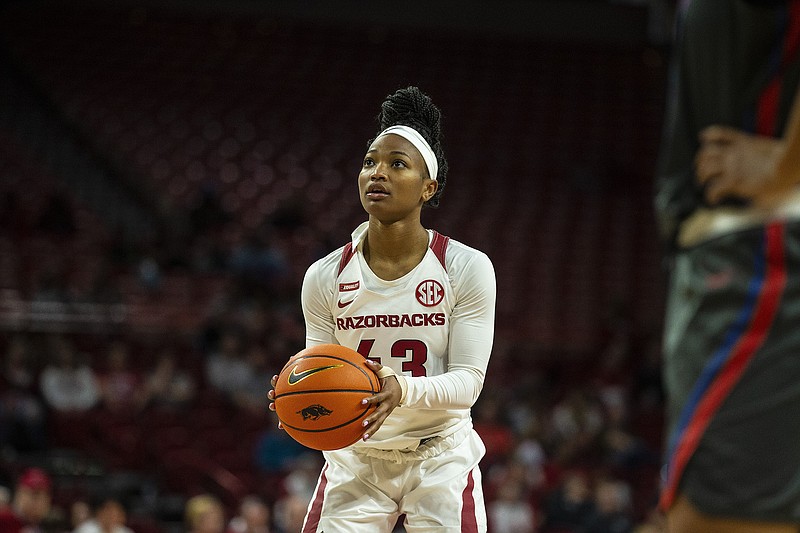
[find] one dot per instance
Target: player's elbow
(471, 379)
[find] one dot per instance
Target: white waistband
(427, 448)
(706, 223)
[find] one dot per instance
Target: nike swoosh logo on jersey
(342, 304)
(297, 377)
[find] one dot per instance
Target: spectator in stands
(612, 508)
(648, 384)
(257, 261)
(67, 383)
(577, 422)
(79, 512)
(254, 516)
(5, 498)
(22, 420)
(258, 321)
(290, 509)
(291, 335)
(30, 504)
(205, 513)
(18, 370)
(531, 457)
(169, 386)
(570, 505)
(250, 393)
(493, 429)
(149, 271)
(654, 522)
(528, 412)
(121, 388)
(275, 451)
(226, 368)
(108, 516)
(624, 450)
(511, 512)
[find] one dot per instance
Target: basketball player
(728, 199)
(421, 306)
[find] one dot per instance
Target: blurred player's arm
(761, 169)
(789, 164)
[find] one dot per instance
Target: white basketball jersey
(404, 324)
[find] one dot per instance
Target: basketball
(318, 396)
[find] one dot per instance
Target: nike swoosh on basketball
(297, 377)
(342, 304)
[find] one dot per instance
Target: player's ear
(431, 186)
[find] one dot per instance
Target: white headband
(419, 142)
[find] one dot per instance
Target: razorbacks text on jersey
(437, 319)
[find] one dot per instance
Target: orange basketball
(318, 396)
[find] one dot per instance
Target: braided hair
(411, 107)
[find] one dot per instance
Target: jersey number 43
(414, 351)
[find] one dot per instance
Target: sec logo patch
(430, 292)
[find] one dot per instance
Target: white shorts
(437, 487)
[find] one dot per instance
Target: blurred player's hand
(733, 163)
(271, 397)
(386, 400)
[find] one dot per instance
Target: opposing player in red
(728, 203)
(421, 306)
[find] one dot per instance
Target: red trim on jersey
(469, 522)
(768, 102)
(347, 255)
(767, 107)
(439, 246)
(315, 512)
(744, 351)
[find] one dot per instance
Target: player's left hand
(271, 397)
(733, 163)
(386, 400)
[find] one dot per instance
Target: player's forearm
(788, 167)
(456, 389)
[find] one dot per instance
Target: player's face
(394, 181)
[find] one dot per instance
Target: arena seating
(551, 149)
(551, 146)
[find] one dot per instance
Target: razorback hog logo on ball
(315, 411)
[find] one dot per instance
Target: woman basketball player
(421, 306)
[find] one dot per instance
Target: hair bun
(411, 107)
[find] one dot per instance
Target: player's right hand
(735, 164)
(385, 401)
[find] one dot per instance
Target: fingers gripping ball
(318, 396)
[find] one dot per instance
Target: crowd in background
(564, 449)
(573, 444)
